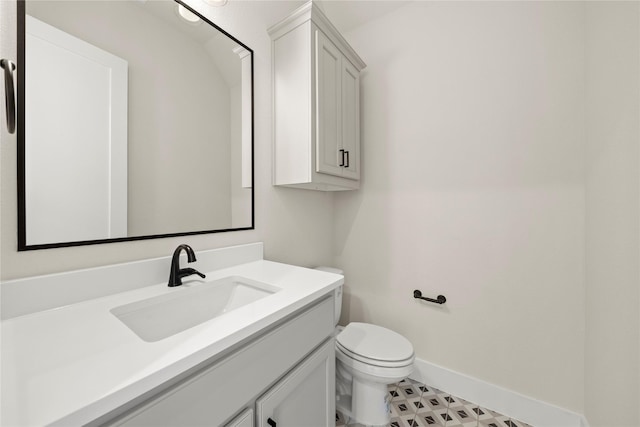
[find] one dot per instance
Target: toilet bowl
(368, 359)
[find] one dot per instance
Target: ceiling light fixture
(187, 15)
(217, 3)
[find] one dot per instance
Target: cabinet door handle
(347, 154)
(10, 98)
(271, 422)
(341, 158)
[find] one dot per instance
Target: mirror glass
(135, 123)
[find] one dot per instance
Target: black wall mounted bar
(10, 98)
(440, 300)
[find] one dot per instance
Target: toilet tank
(337, 310)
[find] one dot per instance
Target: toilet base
(370, 403)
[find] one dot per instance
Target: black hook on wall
(440, 300)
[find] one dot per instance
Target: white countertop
(70, 365)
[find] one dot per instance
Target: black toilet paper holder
(439, 300)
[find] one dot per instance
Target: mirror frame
(22, 226)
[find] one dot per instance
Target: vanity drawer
(216, 393)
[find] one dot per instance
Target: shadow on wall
(352, 308)
(363, 216)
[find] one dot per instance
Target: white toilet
(368, 359)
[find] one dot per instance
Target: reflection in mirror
(136, 123)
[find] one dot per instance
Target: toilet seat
(374, 362)
(373, 372)
(375, 345)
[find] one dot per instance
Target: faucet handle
(189, 271)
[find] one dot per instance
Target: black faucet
(177, 273)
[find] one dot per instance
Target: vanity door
(243, 420)
(305, 396)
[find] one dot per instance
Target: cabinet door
(243, 420)
(328, 107)
(350, 119)
(305, 397)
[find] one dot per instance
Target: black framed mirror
(135, 121)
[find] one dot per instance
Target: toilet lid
(375, 342)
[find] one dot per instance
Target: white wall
(293, 224)
(473, 187)
(612, 356)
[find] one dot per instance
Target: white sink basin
(189, 305)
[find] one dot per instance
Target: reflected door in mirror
(76, 151)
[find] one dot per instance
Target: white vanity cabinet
(286, 370)
(316, 90)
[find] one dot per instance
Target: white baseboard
(496, 398)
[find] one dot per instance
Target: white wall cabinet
(297, 356)
(316, 87)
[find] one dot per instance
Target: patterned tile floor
(414, 404)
